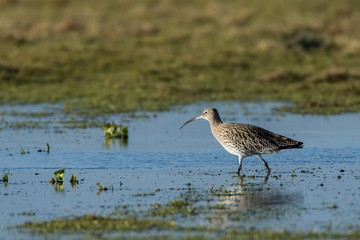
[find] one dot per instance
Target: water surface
(315, 188)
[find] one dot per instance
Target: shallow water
(160, 155)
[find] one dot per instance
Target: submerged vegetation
(117, 56)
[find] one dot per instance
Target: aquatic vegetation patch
(284, 235)
(226, 192)
(22, 151)
(26, 118)
(92, 224)
(175, 207)
(185, 205)
(101, 188)
(116, 131)
(96, 224)
(5, 178)
(59, 176)
(74, 179)
(43, 150)
(25, 124)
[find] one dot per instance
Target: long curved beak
(193, 119)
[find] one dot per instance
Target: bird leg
(265, 163)
(239, 168)
(266, 178)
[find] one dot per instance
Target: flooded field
(182, 177)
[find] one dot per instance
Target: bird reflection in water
(251, 197)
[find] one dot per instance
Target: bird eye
(206, 112)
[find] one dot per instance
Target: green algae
(157, 54)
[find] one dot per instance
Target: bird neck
(216, 121)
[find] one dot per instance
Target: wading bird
(245, 140)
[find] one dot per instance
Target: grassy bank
(116, 56)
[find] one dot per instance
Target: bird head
(210, 114)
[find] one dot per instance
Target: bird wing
(251, 139)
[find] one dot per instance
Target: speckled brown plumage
(245, 140)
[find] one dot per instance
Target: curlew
(245, 140)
